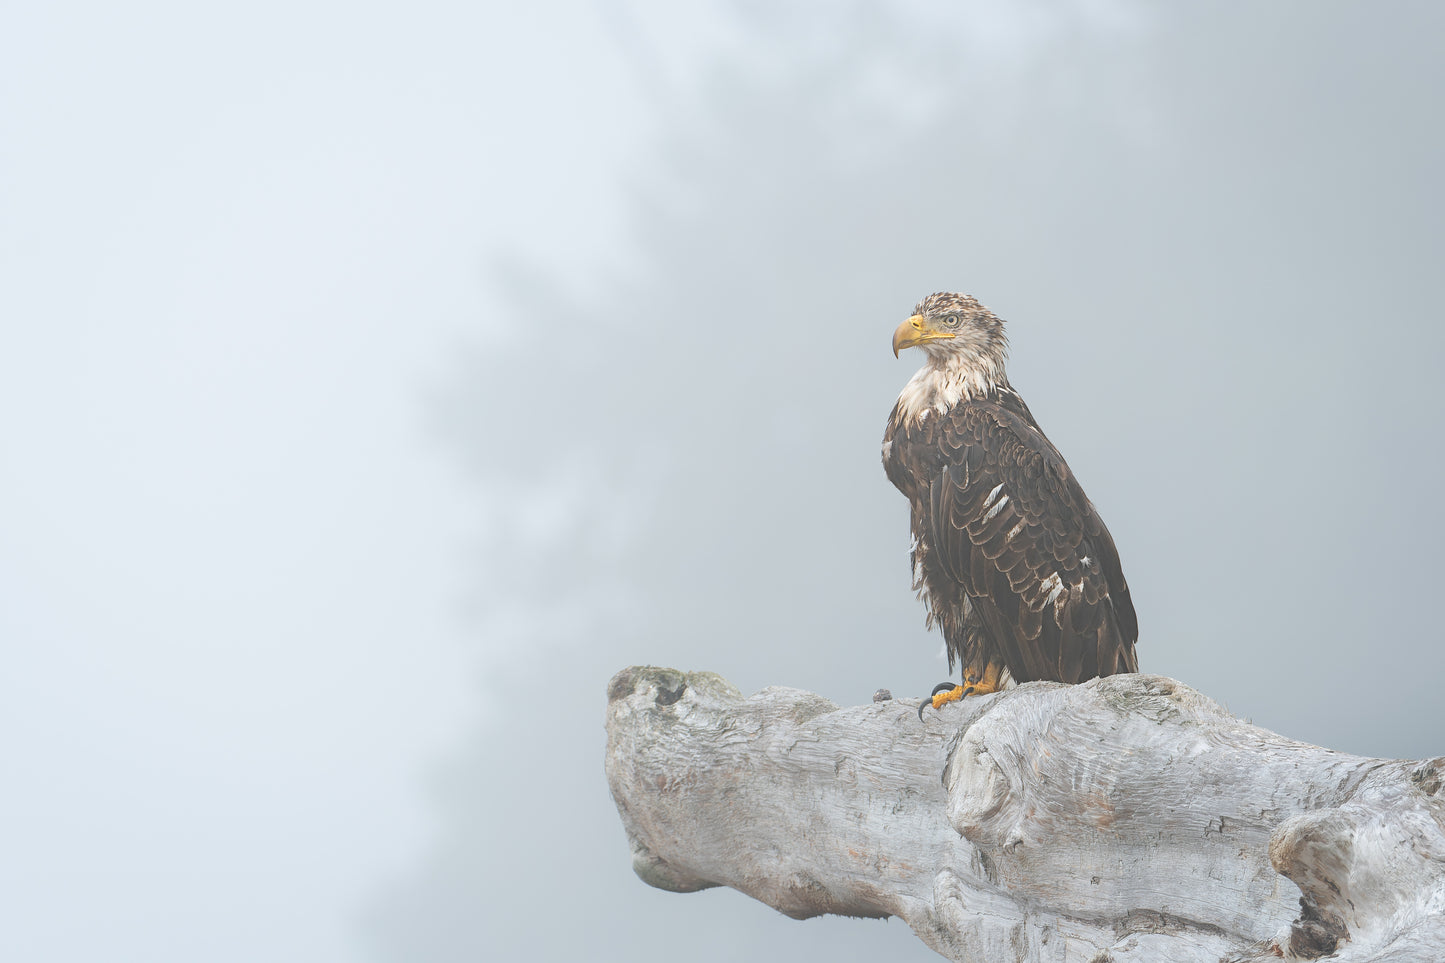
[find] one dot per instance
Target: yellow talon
(944, 698)
(972, 685)
(980, 686)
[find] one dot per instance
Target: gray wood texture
(1129, 818)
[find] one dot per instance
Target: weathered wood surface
(1125, 819)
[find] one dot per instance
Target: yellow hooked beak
(915, 331)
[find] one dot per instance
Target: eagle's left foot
(946, 692)
(943, 694)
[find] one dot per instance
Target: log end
(659, 874)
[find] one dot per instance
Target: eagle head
(954, 329)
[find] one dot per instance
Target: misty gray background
(376, 381)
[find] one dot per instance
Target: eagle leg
(973, 684)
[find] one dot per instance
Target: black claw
(941, 687)
(944, 687)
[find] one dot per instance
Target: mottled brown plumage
(1013, 562)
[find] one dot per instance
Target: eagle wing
(1007, 520)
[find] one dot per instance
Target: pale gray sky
(366, 374)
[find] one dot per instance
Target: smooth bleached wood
(1125, 819)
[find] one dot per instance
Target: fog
(376, 383)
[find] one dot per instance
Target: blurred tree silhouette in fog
(679, 463)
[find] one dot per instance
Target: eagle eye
(951, 321)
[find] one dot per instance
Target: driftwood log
(1125, 819)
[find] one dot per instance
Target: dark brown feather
(1015, 561)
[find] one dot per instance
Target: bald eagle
(1009, 555)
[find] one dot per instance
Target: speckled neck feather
(948, 379)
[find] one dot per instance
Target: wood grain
(1129, 818)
